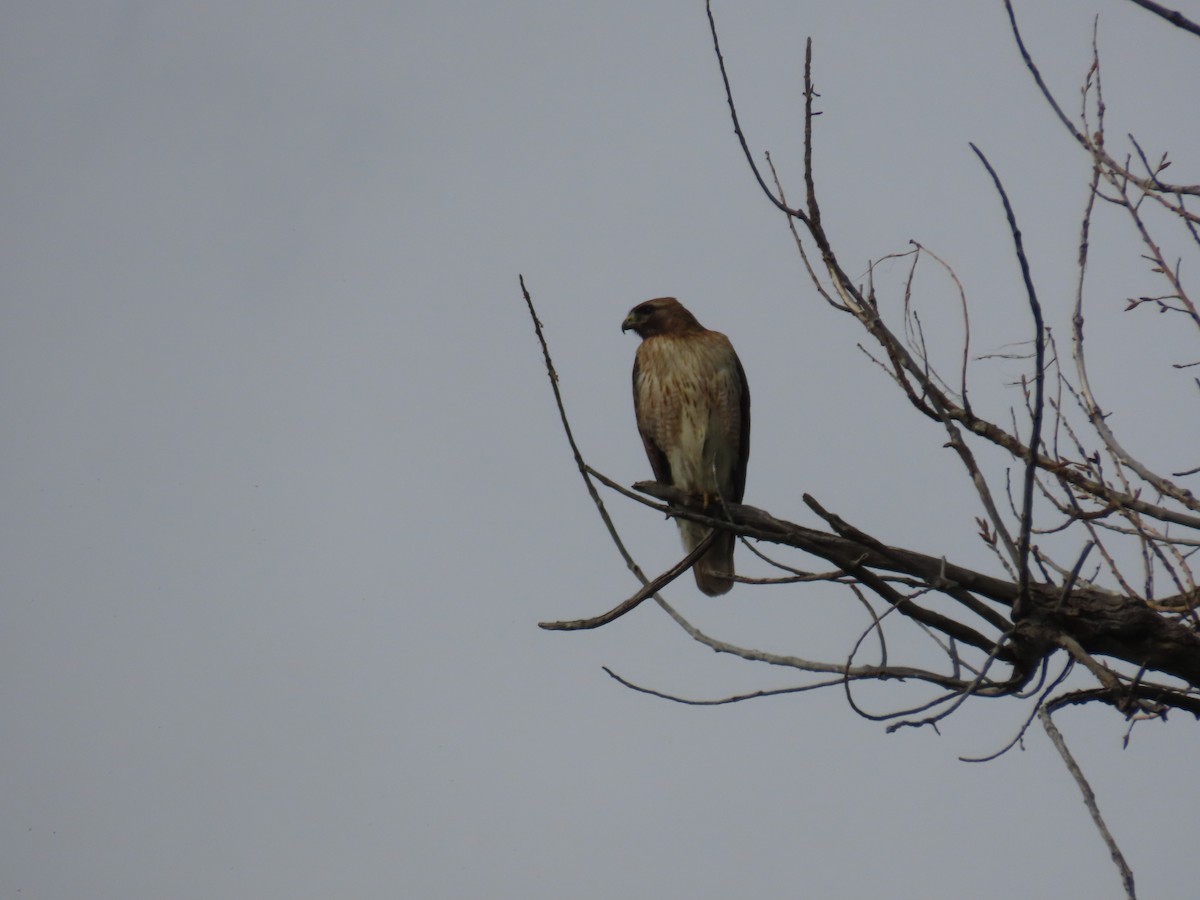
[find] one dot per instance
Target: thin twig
(584, 470)
(737, 125)
(722, 701)
(1021, 607)
(645, 592)
(1175, 18)
(1089, 799)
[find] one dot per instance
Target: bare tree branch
(1175, 18)
(1081, 138)
(1021, 606)
(723, 701)
(1104, 623)
(1089, 799)
(648, 590)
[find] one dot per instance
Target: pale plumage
(693, 412)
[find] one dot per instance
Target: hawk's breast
(688, 405)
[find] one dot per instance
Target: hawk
(693, 412)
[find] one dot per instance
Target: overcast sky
(285, 492)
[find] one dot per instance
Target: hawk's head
(664, 315)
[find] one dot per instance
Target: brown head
(664, 315)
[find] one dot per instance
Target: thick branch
(1103, 623)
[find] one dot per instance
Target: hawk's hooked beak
(627, 324)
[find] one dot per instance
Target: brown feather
(692, 405)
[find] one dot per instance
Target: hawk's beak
(627, 324)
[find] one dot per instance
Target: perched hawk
(693, 411)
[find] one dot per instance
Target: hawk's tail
(713, 569)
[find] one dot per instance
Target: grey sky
(285, 492)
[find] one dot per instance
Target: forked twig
(646, 591)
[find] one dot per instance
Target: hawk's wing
(743, 455)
